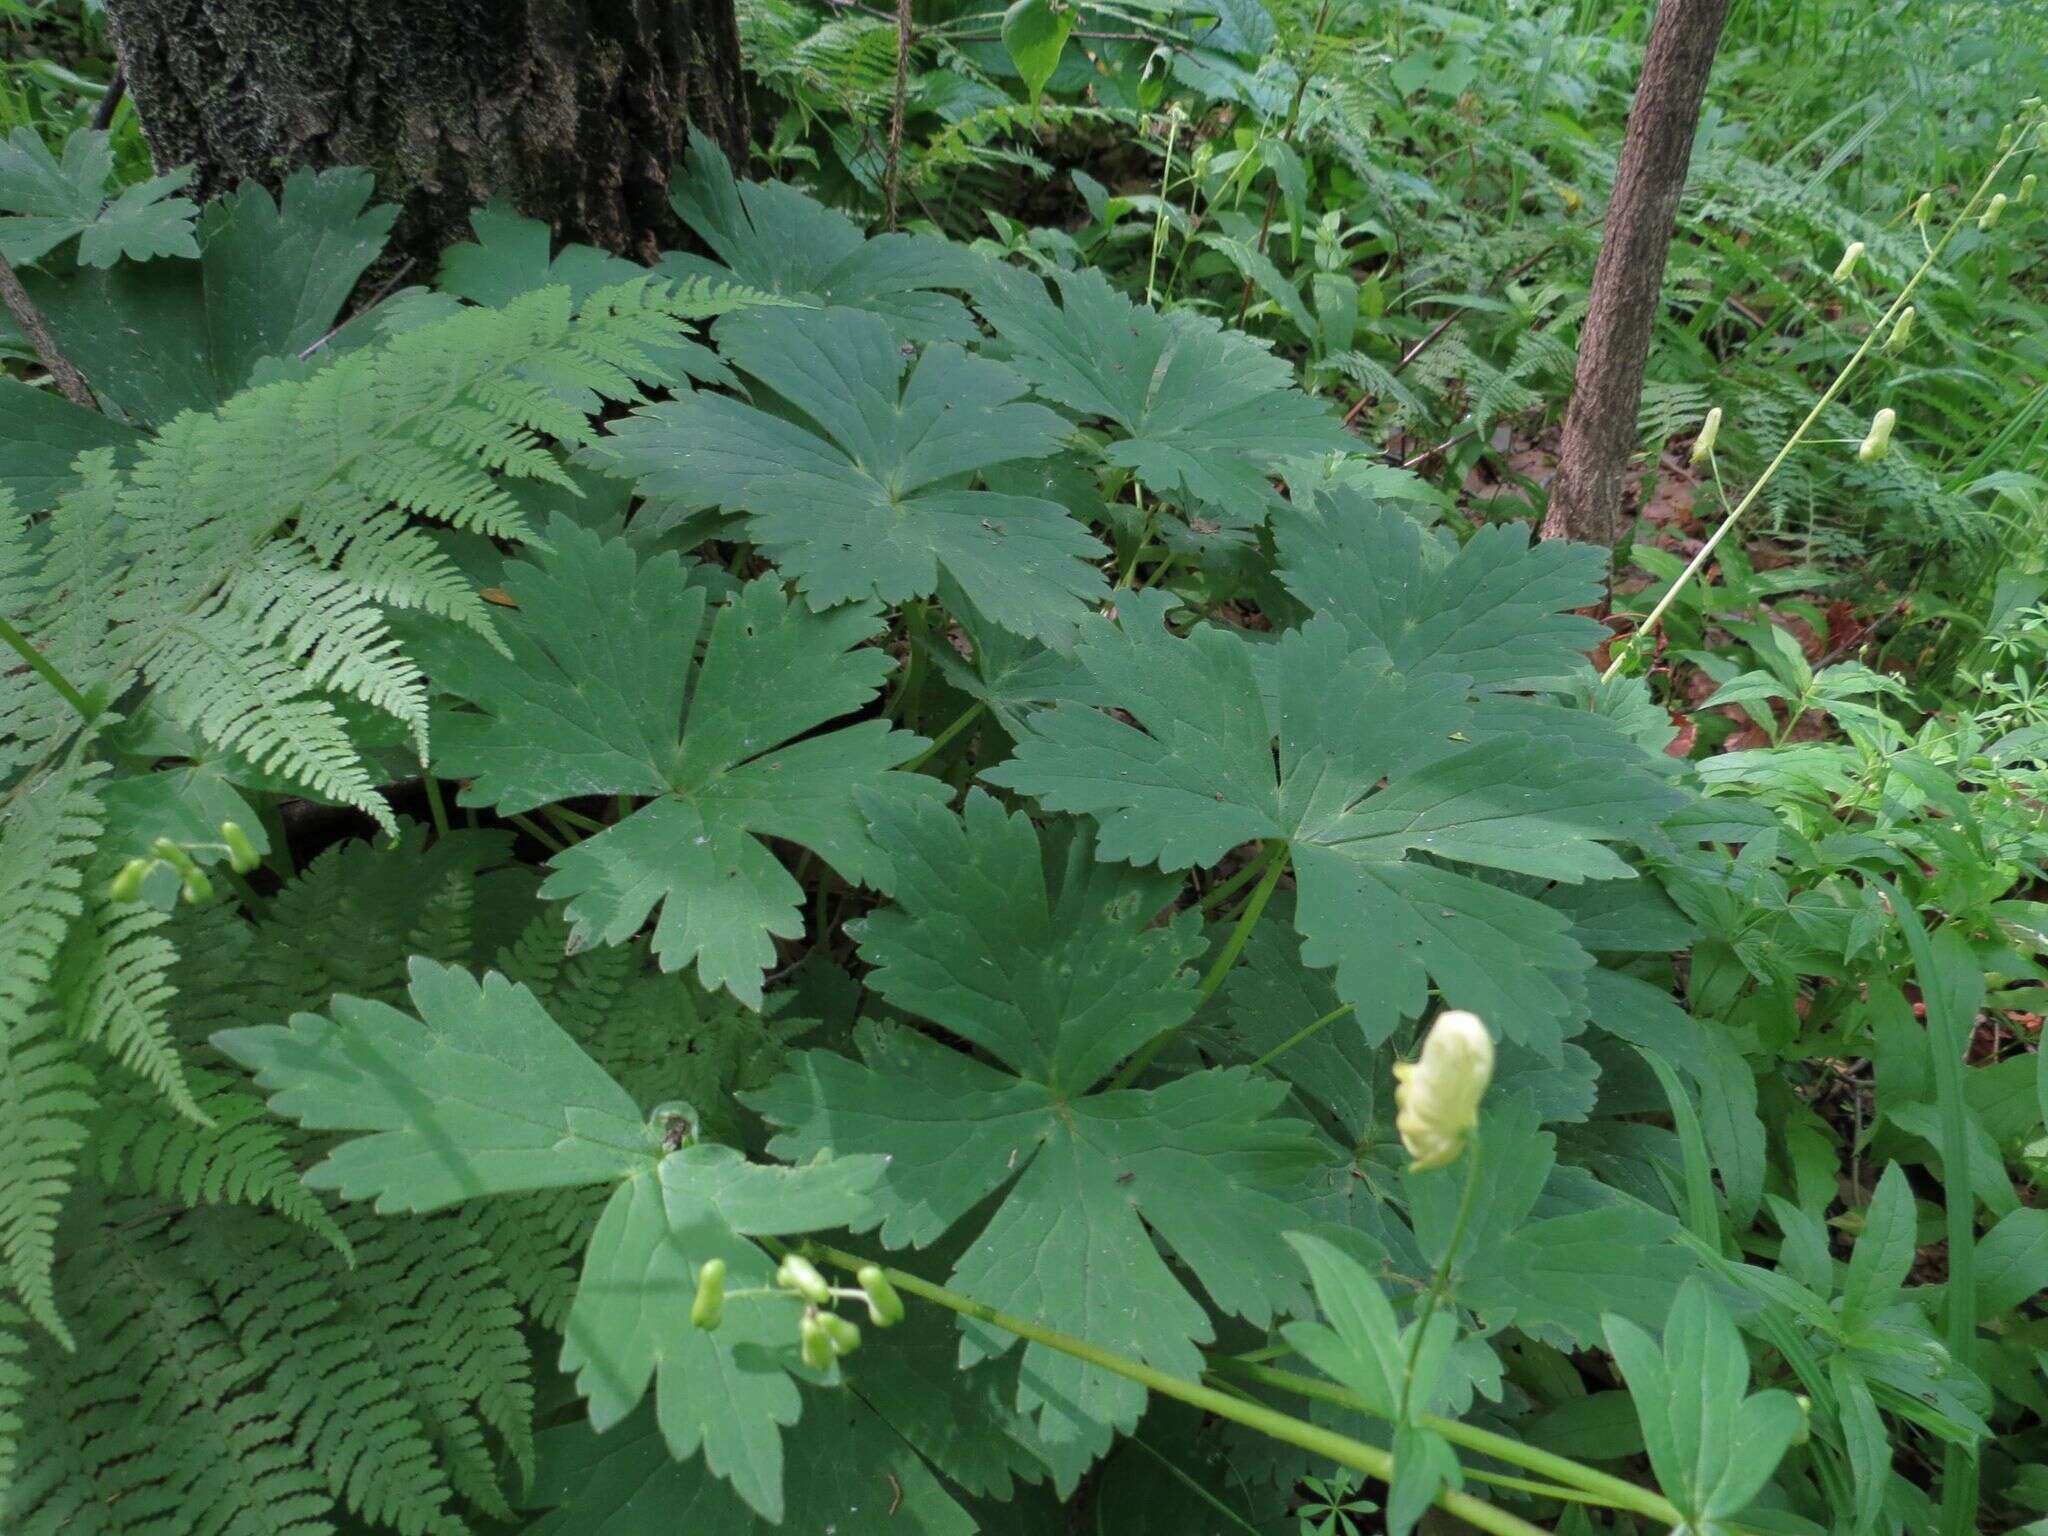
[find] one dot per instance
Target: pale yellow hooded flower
(1436, 1096)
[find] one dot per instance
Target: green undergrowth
(782, 893)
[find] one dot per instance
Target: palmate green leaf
(157, 338)
(480, 1092)
(772, 237)
(44, 202)
(1044, 959)
(1377, 787)
(600, 693)
(864, 491)
(1712, 1445)
(1495, 611)
(1200, 413)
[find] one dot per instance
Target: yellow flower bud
(197, 889)
(1902, 331)
(709, 1307)
(1923, 207)
(1988, 219)
(2005, 138)
(1704, 443)
(2026, 189)
(1879, 440)
(885, 1307)
(127, 885)
(1436, 1096)
(242, 855)
(799, 1274)
(1847, 265)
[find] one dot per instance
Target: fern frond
(448, 1326)
(236, 1156)
(45, 844)
(159, 1422)
(114, 989)
(14, 1386)
(537, 1242)
(352, 1419)
(243, 566)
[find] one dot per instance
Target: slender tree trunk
(574, 110)
(1590, 495)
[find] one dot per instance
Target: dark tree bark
(574, 110)
(1589, 497)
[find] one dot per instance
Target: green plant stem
(1275, 865)
(1440, 1282)
(1876, 334)
(1948, 1040)
(1144, 537)
(577, 819)
(945, 738)
(437, 807)
(1616, 1492)
(44, 668)
(1304, 1032)
(1253, 868)
(1159, 222)
(1342, 1449)
(538, 833)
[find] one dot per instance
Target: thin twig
(895, 169)
(30, 319)
(383, 292)
(110, 102)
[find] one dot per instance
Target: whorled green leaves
(600, 691)
(1047, 961)
(1390, 792)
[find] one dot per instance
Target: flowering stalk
(1342, 1449)
(1880, 330)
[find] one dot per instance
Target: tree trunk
(574, 110)
(1590, 494)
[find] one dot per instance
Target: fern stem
(1876, 334)
(1342, 1449)
(44, 668)
(1275, 866)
